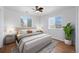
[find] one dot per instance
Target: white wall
(68, 15)
(12, 18)
(35, 21)
(1, 27)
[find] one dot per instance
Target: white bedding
(34, 43)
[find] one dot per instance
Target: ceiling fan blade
(41, 9)
(36, 7)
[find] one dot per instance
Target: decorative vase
(68, 42)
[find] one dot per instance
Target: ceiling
(29, 9)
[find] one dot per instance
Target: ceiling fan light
(37, 11)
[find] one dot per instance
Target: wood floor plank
(60, 48)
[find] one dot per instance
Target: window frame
(54, 25)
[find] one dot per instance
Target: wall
(35, 21)
(1, 27)
(12, 18)
(68, 15)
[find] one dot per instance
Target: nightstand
(10, 38)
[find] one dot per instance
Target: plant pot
(68, 42)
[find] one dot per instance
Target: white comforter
(34, 43)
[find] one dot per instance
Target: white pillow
(22, 31)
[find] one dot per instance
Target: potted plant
(68, 29)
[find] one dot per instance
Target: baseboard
(57, 39)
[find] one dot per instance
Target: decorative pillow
(22, 31)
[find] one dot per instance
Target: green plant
(68, 29)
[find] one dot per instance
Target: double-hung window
(55, 22)
(26, 21)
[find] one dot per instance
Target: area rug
(47, 49)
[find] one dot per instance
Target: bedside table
(10, 38)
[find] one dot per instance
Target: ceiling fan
(39, 9)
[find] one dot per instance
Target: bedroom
(13, 22)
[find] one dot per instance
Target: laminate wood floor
(60, 48)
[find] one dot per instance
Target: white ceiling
(29, 9)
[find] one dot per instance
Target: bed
(33, 42)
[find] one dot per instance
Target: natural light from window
(55, 22)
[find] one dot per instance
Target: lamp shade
(10, 30)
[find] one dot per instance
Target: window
(55, 22)
(26, 21)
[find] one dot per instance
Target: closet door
(1, 27)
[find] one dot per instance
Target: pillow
(22, 31)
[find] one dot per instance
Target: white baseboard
(57, 39)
